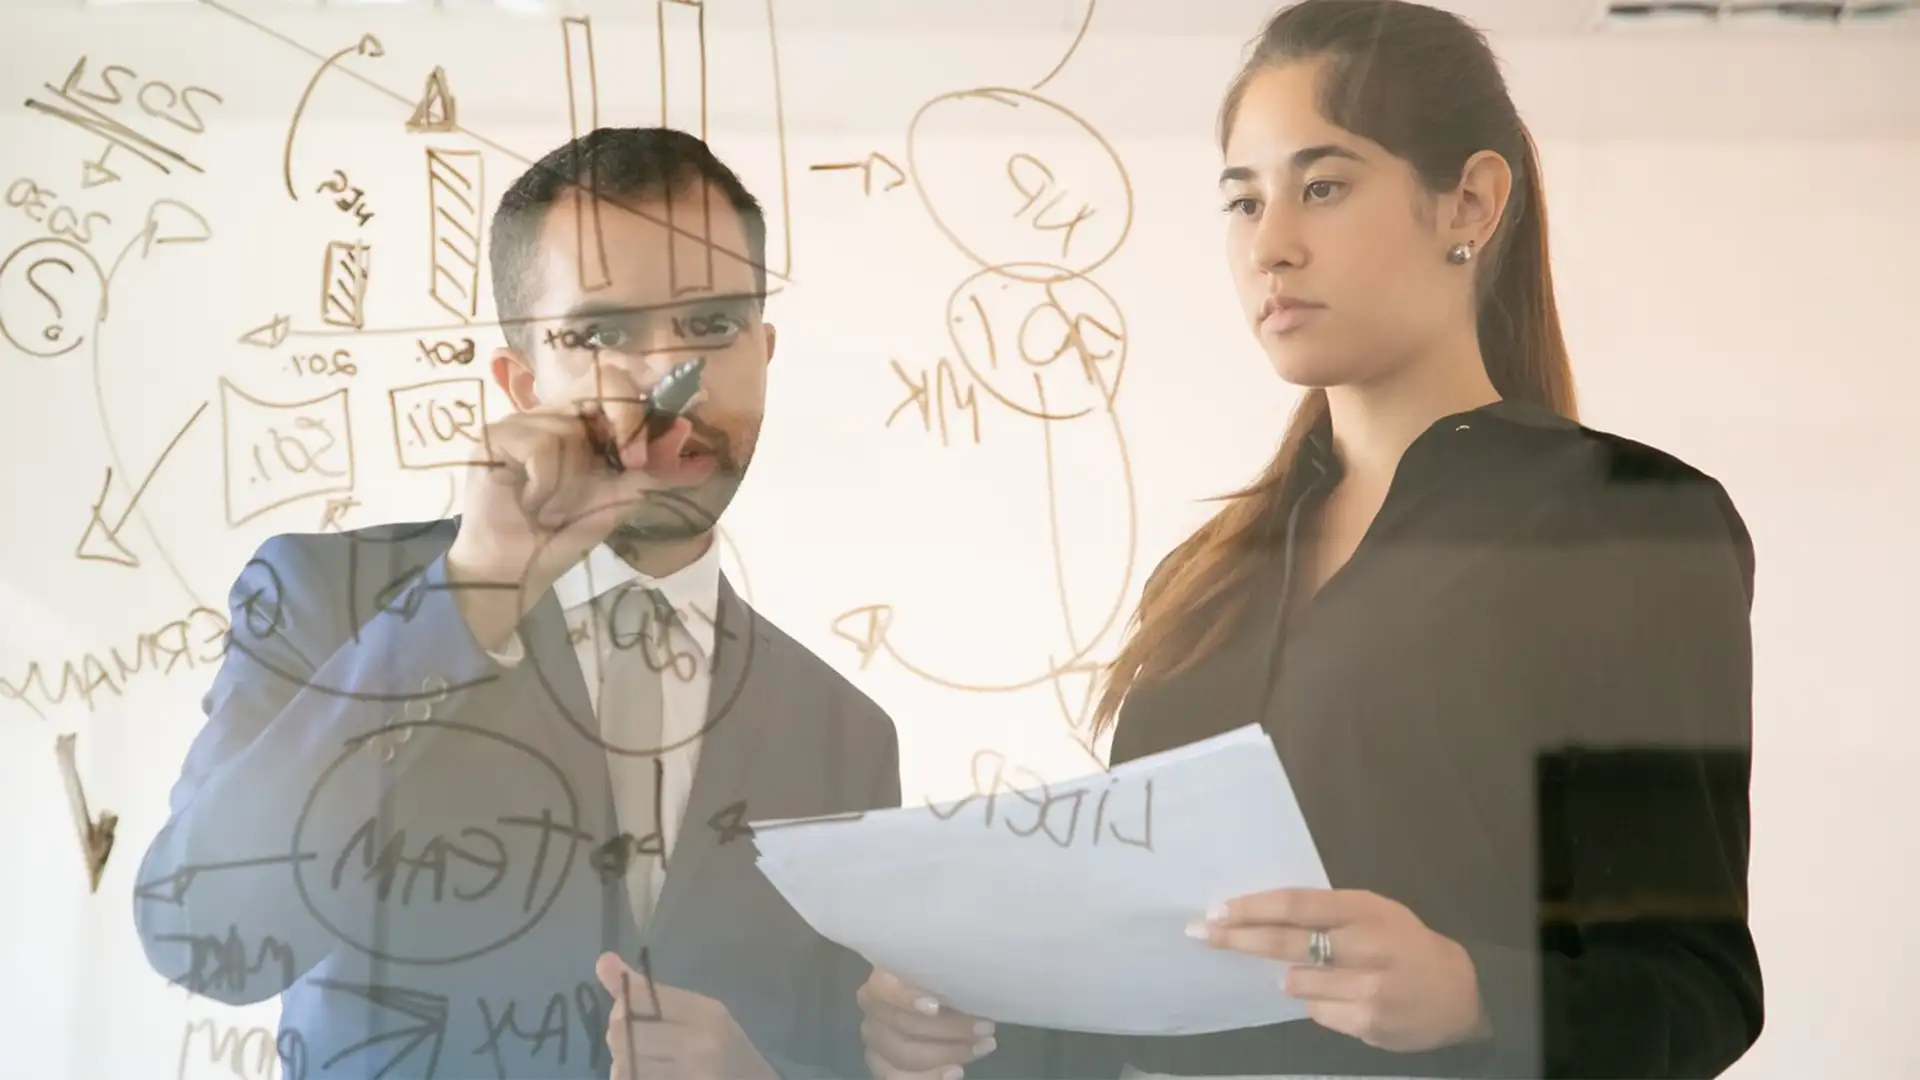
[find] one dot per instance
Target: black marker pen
(672, 395)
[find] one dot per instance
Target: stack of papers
(1066, 905)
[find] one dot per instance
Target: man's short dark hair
(620, 166)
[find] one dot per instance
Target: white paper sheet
(1073, 918)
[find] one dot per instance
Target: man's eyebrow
(588, 310)
(1298, 160)
(596, 309)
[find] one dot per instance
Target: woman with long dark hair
(1505, 658)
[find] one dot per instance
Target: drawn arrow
(172, 889)
(170, 221)
(95, 173)
(866, 171)
(368, 45)
(96, 835)
(268, 335)
(430, 1010)
(101, 541)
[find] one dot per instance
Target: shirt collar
(1318, 448)
(693, 590)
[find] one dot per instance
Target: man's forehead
(690, 242)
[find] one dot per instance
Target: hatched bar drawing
(583, 115)
(343, 284)
(456, 196)
(683, 105)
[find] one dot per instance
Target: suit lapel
(728, 748)
(560, 686)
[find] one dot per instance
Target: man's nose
(649, 358)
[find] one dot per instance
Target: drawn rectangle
(741, 51)
(280, 452)
(683, 105)
(456, 198)
(683, 65)
(583, 116)
(439, 424)
(343, 284)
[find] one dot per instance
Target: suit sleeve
(1645, 965)
(287, 766)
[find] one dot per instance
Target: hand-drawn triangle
(95, 173)
(436, 109)
(268, 336)
(101, 543)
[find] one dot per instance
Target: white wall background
(1734, 221)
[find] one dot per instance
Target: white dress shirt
(587, 592)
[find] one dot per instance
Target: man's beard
(677, 513)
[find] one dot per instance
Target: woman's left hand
(1392, 982)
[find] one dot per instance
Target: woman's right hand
(910, 1035)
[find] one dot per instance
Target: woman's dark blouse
(1522, 709)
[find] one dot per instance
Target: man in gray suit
(471, 793)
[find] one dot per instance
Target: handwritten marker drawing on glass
(281, 452)
(456, 200)
(438, 424)
(343, 284)
(682, 28)
(583, 115)
(436, 111)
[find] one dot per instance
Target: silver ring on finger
(1320, 949)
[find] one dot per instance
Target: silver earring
(1460, 253)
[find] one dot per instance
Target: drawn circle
(430, 923)
(725, 635)
(1066, 212)
(51, 294)
(1043, 340)
(264, 614)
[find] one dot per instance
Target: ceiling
(1505, 18)
(1579, 75)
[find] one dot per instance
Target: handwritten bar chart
(456, 198)
(583, 116)
(343, 284)
(683, 105)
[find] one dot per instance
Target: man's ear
(513, 374)
(767, 328)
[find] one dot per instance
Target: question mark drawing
(54, 328)
(50, 276)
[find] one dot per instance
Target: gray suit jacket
(415, 847)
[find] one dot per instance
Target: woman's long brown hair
(1423, 84)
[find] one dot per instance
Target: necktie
(632, 718)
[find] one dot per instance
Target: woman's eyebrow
(1296, 161)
